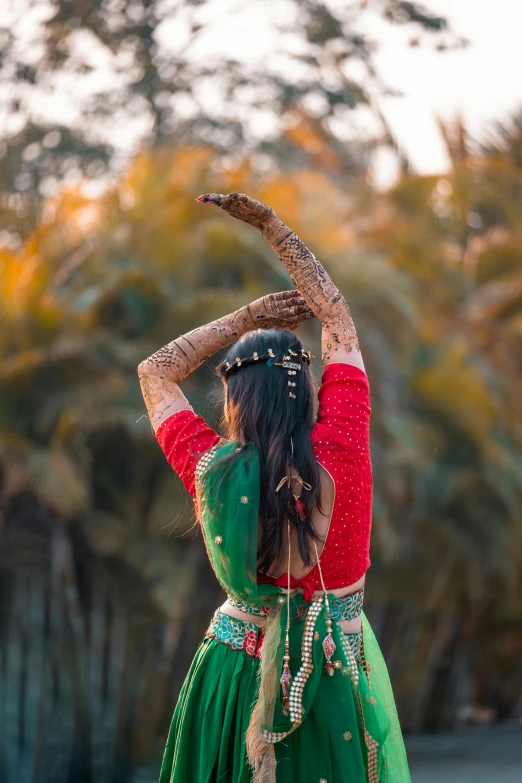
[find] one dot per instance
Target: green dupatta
(228, 494)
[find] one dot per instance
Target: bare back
(321, 520)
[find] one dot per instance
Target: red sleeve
(184, 437)
(344, 407)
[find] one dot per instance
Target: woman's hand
(244, 208)
(286, 310)
(240, 206)
(340, 342)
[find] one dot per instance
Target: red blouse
(341, 444)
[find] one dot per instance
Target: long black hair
(261, 406)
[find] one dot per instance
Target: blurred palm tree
(104, 596)
(152, 82)
(452, 505)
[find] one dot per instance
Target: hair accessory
(300, 508)
(288, 480)
(292, 367)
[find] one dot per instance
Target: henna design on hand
(242, 207)
(161, 372)
(285, 310)
(308, 274)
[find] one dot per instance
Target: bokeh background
(389, 135)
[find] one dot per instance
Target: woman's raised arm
(339, 340)
(160, 374)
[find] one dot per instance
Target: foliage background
(104, 593)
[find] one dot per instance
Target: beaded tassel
(300, 509)
(286, 677)
(329, 646)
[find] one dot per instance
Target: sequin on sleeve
(341, 445)
(344, 406)
(184, 437)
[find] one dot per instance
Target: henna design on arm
(321, 293)
(162, 398)
(308, 274)
(160, 373)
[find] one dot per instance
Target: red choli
(341, 444)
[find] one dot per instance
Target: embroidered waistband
(255, 611)
(244, 635)
(236, 634)
(349, 607)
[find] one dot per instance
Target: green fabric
(393, 747)
(228, 503)
(341, 719)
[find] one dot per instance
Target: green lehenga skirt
(238, 718)
(336, 743)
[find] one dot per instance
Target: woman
(288, 685)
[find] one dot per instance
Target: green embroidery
(236, 634)
(349, 607)
(256, 611)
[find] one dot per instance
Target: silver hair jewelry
(292, 367)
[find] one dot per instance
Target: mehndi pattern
(308, 274)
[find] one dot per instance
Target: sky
(482, 82)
